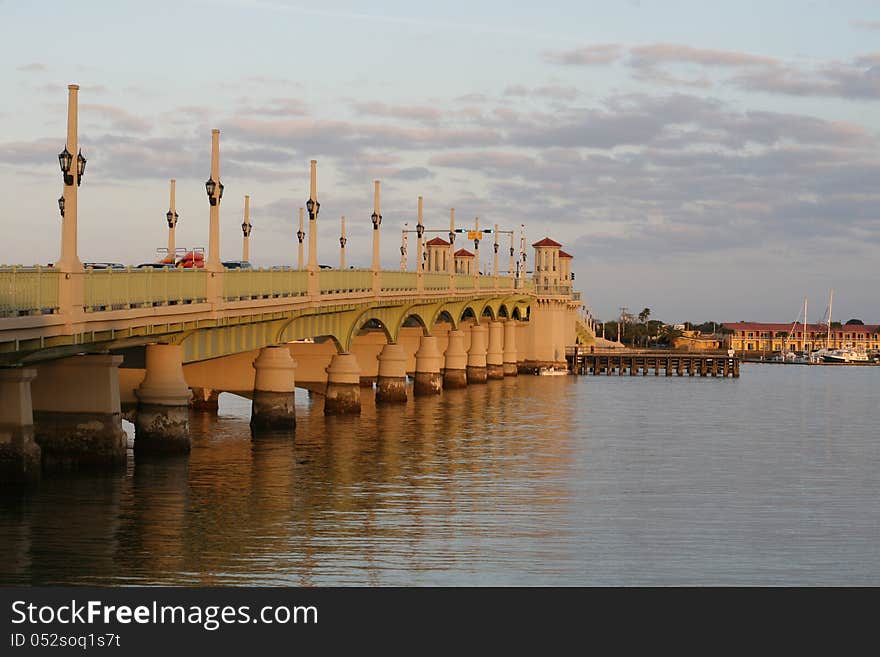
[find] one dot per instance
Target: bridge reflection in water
(398, 495)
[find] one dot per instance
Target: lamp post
(246, 228)
(214, 189)
(300, 235)
(495, 247)
(67, 204)
(313, 207)
(403, 246)
(343, 240)
(420, 234)
(451, 262)
(376, 218)
(171, 217)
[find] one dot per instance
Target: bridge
(83, 348)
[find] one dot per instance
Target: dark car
(237, 264)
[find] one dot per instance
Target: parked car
(103, 265)
(237, 264)
(155, 265)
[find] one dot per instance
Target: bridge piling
(77, 412)
(343, 395)
(509, 355)
(428, 379)
(273, 402)
(19, 452)
(391, 379)
(495, 351)
(162, 422)
(455, 363)
(476, 359)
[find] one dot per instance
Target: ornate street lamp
(300, 235)
(171, 217)
(343, 241)
(376, 219)
(210, 188)
(313, 207)
(80, 167)
(65, 159)
(246, 228)
(61, 204)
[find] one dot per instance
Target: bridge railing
(333, 281)
(464, 282)
(114, 289)
(277, 282)
(434, 281)
(28, 291)
(398, 281)
(553, 290)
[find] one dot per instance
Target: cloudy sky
(709, 160)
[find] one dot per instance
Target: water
(770, 479)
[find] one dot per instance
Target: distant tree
(857, 322)
(835, 324)
(644, 315)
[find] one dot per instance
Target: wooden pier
(582, 361)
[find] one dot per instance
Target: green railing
(397, 281)
(28, 291)
(334, 281)
(264, 283)
(463, 282)
(434, 281)
(114, 289)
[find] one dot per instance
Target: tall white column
(342, 241)
(420, 254)
(69, 260)
(172, 222)
(313, 220)
(299, 236)
(213, 262)
(375, 266)
(246, 230)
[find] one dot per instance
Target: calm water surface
(770, 479)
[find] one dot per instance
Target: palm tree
(644, 315)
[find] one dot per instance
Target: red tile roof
(464, 253)
(563, 254)
(437, 241)
(546, 242)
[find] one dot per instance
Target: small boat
(552, 371)
(845, 355)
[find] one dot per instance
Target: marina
(657, 362)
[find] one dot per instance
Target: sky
(709, 161)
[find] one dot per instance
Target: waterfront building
(437, 259)
(464, 262)
(765, 337)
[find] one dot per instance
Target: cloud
(674, 65)
(553, 91)
(865, 25)
(593, 55)
(35, 67)
(410, 112)
(119, 118)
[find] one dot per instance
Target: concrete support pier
(510, 353)
(273, 402)
(495, 351)
(162, 423)
(476, 360)
(343, 394)
(391, 381)
(429, 362)
(77, 412)
(206, 400)
(455, 361)
(19, 452)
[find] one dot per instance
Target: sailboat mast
(830, 304)
(806, 324)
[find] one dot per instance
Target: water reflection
(530, 480)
